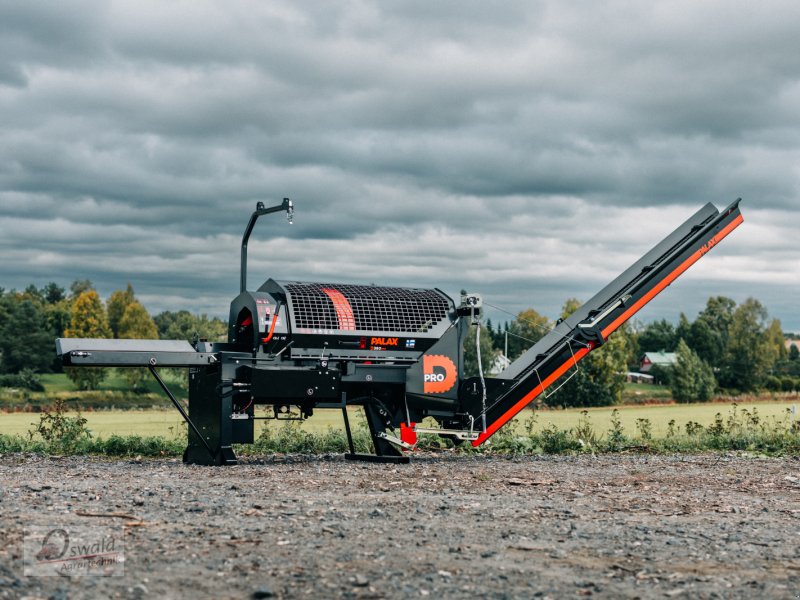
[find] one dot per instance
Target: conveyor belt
(590, 325)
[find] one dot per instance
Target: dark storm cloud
(528, 150)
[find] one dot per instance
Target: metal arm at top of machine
(260, 210)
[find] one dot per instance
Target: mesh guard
(364, 308)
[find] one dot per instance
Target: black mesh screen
(407, 310)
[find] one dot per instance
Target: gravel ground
(444, 526)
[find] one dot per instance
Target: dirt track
(454, 527)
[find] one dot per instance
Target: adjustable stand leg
(347, 430)
(384, 451)
(185, 416)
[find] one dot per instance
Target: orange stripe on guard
(344, 312)
(510, 413)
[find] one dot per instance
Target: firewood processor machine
(396, 351)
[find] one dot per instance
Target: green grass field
(58, 384)
(152, 419)
(168, 422)
(114, 381)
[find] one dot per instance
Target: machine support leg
(384, 451)
(347, 429)
(182, 411)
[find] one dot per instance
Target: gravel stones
(444, 526)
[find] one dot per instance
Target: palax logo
(440, 374)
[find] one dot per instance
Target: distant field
(59, 384)
(114, 381)
(169, 423)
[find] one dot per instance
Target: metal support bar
(394, 440)
(458, 433)
(182, 411)
(347, 429)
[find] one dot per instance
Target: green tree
(7, 302)
(57, 316)
(774, 343)
(26, 340)
(683, 330)
(116, 305)
(749, 354)
(691, 380)
(708, 335)
(488, 352)
(525, 330)
(599, 378)
(570, 306)
(183, 325)
(136, 324)
(88, 320)
(78, 287)
(657, 336)
(33, 294)
(706, 342)
(53, 293)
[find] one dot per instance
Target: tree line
(727, 348)
(31, 320)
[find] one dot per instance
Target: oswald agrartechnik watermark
(71, 550)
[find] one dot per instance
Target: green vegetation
(136, 324)
(740, 429)
(26, 379)
(691, 379)
(87, 320)
(727, 350)
(32, 319)
(600, 379)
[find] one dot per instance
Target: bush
(60, 432)
(26, 379)
(135, 445)
(661, 375)
(558, 441)
(773, 384)
(289, 438)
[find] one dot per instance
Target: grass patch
(740, 429)
(659, 416)
(164, 421)
(645, 393)
(113, 392)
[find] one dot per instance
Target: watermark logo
(66, 550)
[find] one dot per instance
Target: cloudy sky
(528, 151)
